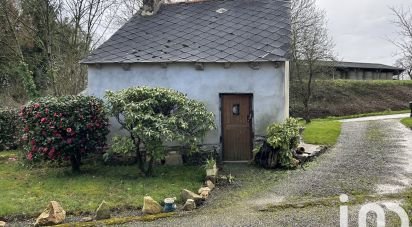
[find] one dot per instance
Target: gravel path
(371, 157)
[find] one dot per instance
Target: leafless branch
(403, 20)
(310, 45)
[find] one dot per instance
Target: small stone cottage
(230, 54)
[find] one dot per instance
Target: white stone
(210, 184)
(186, 194)
(189, 205)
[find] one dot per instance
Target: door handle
(249, 117)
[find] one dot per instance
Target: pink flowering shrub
(64, 128)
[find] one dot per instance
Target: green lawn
(28, 191)
(326, 131)
(407, 122)
(322, 132)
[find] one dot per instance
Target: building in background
(362, 71)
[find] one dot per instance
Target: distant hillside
(348, 97)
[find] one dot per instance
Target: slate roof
(209, 31)
(361, 65)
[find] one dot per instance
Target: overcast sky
(361, 29)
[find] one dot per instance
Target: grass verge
(326, 131)
(387, 112)
(333, 201)
(119, 221)
(407, 122)
(322, 132)
(26, 192)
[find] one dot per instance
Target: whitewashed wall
(267, 84)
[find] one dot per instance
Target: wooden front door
(237, 127)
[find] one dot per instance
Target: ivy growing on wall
(28, 82)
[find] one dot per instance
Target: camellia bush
(153, 117)
(64, 128)
(9, 129)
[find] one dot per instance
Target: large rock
(210, 184)
(202, 189)
(2, 224)
(189, 205)
(103, 211)
(186, 194)
(150, 206)
(204, 192)
(204, 195)
(52, 215)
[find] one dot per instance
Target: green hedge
(9, 129)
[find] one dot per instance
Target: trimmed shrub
(277, 148)
(9, 124)
(64, 128)
(153, 117)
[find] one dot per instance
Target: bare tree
(87, 17)
(126, 9)
(405, 63)
(311, 50)
(403, 20)
(83, 26)
(42, 42)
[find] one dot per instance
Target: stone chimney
(150, 7)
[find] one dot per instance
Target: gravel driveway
(371, 157)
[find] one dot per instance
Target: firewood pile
(267, 157)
